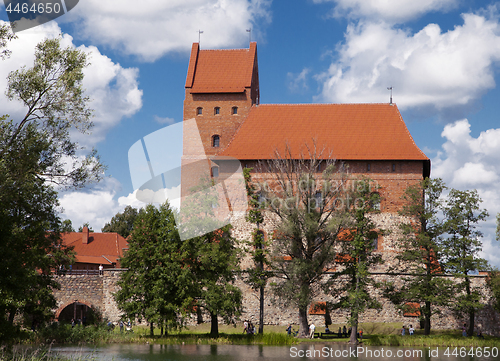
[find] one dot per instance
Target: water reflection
(303, 351)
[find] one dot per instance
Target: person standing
(100, 269)
(311, 330)
(411, 330)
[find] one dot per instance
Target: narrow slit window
(234, 110)
(368, 167)
(216, 110)
(393, 167)
(215, 141)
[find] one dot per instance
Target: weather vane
(199, 35)
(390, 88)
(249, 31)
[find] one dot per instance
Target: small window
(393, 167)
(319, 199)
(199, 111)
(215, 172)
(234, 110)
(215, 141)
(319, 167)
(216, 110)
(368, 167)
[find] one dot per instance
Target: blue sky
(442, 58)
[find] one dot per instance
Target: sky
(442, 58)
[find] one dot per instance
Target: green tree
(86, 224)
(303, 201)
(158, 284)
(462, 247)
(498, 227)
(215, 266)
(67, 226)
(421, 253)
(34, 154)
(122, 223)
(257, 275)
(352, 283)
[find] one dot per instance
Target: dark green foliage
(421, 252)
(352, 282)
(215, 263)
(258, 275)
(67, 226)
(462, 247)
(86, 224)
(158, 283)
(122, 223)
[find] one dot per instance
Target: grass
(374, 334)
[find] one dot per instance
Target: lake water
(303, 351)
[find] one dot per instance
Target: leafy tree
(34, 152)
(421, 252)
(67, 226)
(257, 275)
(498, 227)
(158, 283)
(122, 223)
(462, 247)
(304, 203)
(86, 224)
(215, 265)
(351, 284)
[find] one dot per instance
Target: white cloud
(428, 68)
(468, 163)
(150, 28)
(165, 120)
(113, 89)
(390, 11)
(298, 82)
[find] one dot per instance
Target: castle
(222, 97)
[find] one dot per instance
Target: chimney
(85, 235)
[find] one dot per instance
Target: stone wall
(93, 290)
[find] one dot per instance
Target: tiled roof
(102, 248)
(348, 131)
(220, 71)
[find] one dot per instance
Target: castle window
(234, 110)
(215, 141)
(215, 172)
(216, 110)
(319, 167)
(319, 199)
(368, 167)
(199, 111)
(393, 167)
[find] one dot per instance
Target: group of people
(411, 330)
(248, 327)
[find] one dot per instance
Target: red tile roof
(349, 131)
(102, 248)
(221, 71)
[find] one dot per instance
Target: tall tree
(122, 223)
(352, 282)
(493, 282)
(158, 283)
(215, 266)
(302, 196)
(258, 275)
(420, 254)
(462, 247)
(34, 153)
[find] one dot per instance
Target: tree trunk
(427, 318)
(303, 325)
(151, 329)
(161, 331)
(470, 331)
(214, 327)
(354, 333)
(261, 311)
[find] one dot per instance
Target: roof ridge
(289, 104)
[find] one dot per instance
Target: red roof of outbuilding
(220, 71)
(348, 131)
(102, 248)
